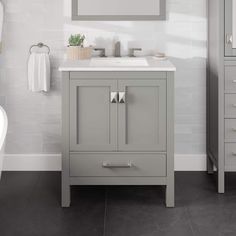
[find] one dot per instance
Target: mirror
(118, 10)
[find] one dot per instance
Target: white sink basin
(118, 62)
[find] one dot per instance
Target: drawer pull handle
(234, 129)
(114, 97)
(234, 81)
(112, 165)
(234, 105)
(234, 153)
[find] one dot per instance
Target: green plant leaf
(76, 40)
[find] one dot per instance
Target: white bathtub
(3, 132)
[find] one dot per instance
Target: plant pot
(79, 53)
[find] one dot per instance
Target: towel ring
(40, 45)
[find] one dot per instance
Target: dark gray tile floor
(30, 206)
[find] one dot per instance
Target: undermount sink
(118, 62)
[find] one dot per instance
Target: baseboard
(52, 162)
(32, 162)
(188, 162)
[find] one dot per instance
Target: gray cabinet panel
(230, 130)
(230, 157)
(117, 75)
(230, 78)
(229, 50)
(91, 164)
(230, 105)
(142, 117)
(93, 117)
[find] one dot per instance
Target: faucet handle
(132, 50)
(103, 52)
(117, 49)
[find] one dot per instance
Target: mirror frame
(76, 17)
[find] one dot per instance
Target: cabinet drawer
(230, 156)
(230, 78)
(117, 165)
(230, 130)
(230, 105)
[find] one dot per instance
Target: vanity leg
(65, 196)
(65, 187)
(210, 166)
(170, 195)
(170, 179)
(221, 181)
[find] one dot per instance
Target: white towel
(1, 23)
(39, 72)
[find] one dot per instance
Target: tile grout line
(105, 214)
(190, 222)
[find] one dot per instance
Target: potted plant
(76, 49)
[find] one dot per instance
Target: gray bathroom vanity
(118, 123)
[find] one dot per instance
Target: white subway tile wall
(34, 118)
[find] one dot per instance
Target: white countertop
(154, 64)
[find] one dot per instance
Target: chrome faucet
(102, 50)
(117, 49)
(132, 50)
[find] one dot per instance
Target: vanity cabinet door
(93, 117)
(142, 115)
(230, 28)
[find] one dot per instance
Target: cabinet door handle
(234, 81)
(234, 105)
(113, 165)
(234, 129)
(229, 39)
(114, 97)
(234, 153)
(121, 97)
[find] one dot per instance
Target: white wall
(34, 118)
